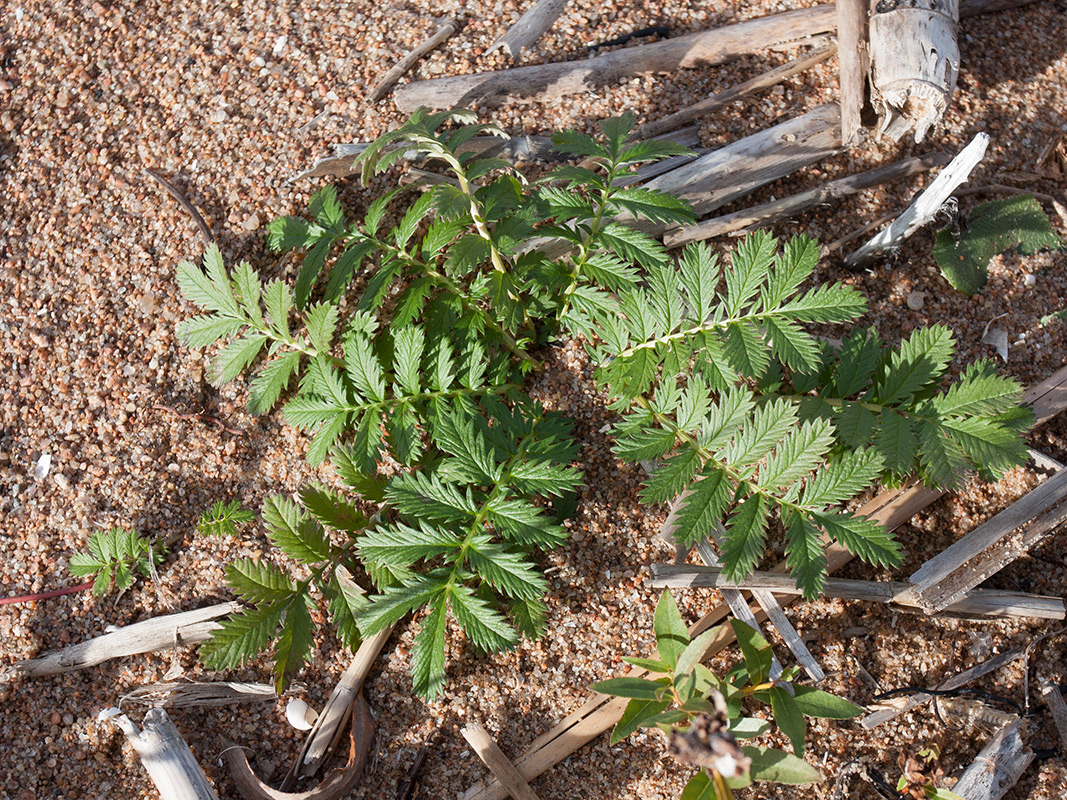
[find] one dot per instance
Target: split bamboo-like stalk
(733, 171)
(852, 65)
(998, 766)
(547, 82)
(1053, 698)
(882, 715)
(442, 34)
(991, 546)
(925, 207)
(727, 96)
(530, 27)
(976, 602)
(777, 210)
(915, 61)
(165, 756)
(326, 732)
(491, 755)
(891, 509)
(187, 627)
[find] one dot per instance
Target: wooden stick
(991, 546)
(1053, 698)
(890, 508)
(777, 210)
(704, 107)
(915, 57)
(165, 756)
(548, 82)
(738, 168)
(852, 65)
(737, 602)
(326, 732)
(530, 27)
(386, 82)
(998, 766)
(190, 209)
(876, 718)
(925, 206)
(188, 627)
(180, 694)
(482, 744)
(977, 602)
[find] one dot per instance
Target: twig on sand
(172, 190)
(201, 418)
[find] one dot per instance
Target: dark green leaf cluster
(223, 518)
(279, 612)
(462, 528)
(750, 418)
(116, 555)
(680, 689)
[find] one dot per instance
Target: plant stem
(29, 598)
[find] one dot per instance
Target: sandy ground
(218, 97)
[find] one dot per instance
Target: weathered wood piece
(325, 734)
(547, 82)
(504, 771)
(852, 65)
(915, 61)
(530, 27)
(925, 207)
(187, 627)
(769, 213)
(181, 694)
(335, 786)
(727, 96)
(1053, 698)
(740, 167)
(977, 602)
(389, 79)
(737, 602)
(165, 756)
(890, 508)
(998, 766)
(991, 546)
(882, 715)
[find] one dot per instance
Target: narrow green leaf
(636, 688)
(428, 652)
(814, 702)
(776, 766)
(636, 715)
(672, 637)
(756, 650)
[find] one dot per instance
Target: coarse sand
(227, 100)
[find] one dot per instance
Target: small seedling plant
(704, 716)
(404, 344)
(115, 557)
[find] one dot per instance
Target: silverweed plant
(405, 342)
(704, 716)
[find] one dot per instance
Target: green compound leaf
(993, 228)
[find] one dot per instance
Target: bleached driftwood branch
(723, 175)
(991, 546)
(165, 756)
(977, 602)
(852, 65)
(998, 766)
(727, 96)
(493, 758)
(442, 34)
(926, 206)
(179, 694)
(776, 210)
(187, 627)
(547, 82)
(1053, 698)
(915, 61)
(530, 27)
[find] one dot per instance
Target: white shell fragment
(40, 469)
(916, 300)
(300, 715)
